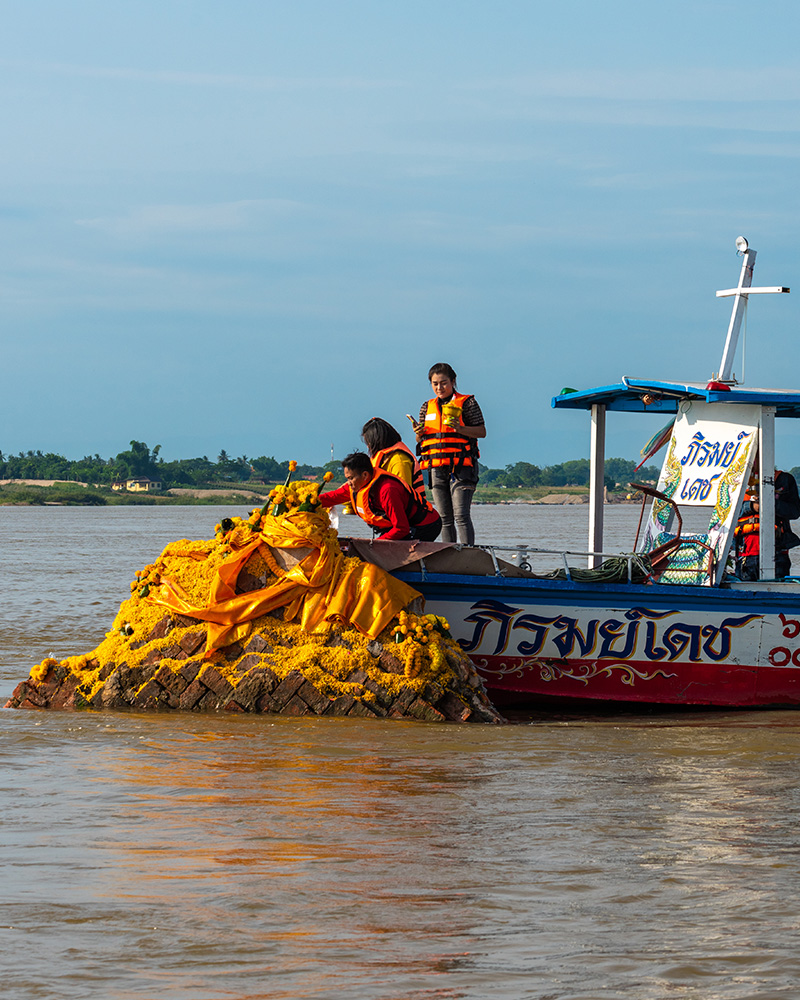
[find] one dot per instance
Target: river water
(188, 857)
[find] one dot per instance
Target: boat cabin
(722, 434)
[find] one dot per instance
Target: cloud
(220, 217)
(677, 84)
(186, 79)
(769, 149)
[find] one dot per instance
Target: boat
(667, 623)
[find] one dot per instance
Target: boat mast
(740, 294)
(766, 432)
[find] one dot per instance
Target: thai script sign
(637, 635)
(493, 628)
(707, 464)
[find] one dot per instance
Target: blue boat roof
(627, 395)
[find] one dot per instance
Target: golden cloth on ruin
(323, 586)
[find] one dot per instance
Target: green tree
(520, 474)
(138, 461)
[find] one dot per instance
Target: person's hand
(417, 427)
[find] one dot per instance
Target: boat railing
(520, 558)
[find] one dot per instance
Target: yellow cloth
(324, 586)
(400, 464)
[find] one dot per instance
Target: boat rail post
(766, 498)
(491, 550)
(597, 472)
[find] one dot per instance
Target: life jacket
(442, 445)
(746, 536)
(746, 526)
(368, 508)
(417, 482)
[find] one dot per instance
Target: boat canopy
(629, 395)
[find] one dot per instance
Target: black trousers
(748, 567)
(422, 532)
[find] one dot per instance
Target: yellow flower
(292, 465)
(327, 477)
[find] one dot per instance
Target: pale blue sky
(254, 225)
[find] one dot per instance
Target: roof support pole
(766, 498)
(597, 472)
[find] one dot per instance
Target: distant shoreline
(64, 493)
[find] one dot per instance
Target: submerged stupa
(270, 615)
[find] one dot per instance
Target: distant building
(142, 485)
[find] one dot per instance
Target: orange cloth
(324, 586)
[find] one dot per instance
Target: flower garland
(416, 632)
(421, 643)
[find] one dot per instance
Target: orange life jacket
(748, 539)
(368, 508)
(746, 536)
(442, 445)
(417, 482)
(746, 526)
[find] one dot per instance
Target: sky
(254, 225)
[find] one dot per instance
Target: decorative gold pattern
(551, 670)
(728, 485)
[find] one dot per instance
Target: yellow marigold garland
(419, 642)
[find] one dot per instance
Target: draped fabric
(324, 586)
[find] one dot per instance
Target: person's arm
(472, 425)
(392, 497)
(332, 497)
(787, 501)
(478, 431)
(419, 427)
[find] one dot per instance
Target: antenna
(740, 294)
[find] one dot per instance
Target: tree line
(572, 473)
(139, 460)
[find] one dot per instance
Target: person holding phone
(447, 432)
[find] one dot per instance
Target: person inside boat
(787, 508)
(384, 501)
(447, 442)
(387, 451)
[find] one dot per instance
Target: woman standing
(447, 434)
(387, 452)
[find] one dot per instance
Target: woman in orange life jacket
(447, 442)
(384, 501)
(746, 532)
(387, 451)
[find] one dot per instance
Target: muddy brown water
(190, 857)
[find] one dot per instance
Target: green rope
(614, 570)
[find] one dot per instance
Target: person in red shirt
(384, 501)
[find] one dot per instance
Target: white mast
(766, 434)
(741, 294)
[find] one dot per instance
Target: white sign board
(707, 464)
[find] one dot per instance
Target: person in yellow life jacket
(746, 532)
(384, 501)
(448, 430)
(387, 451)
